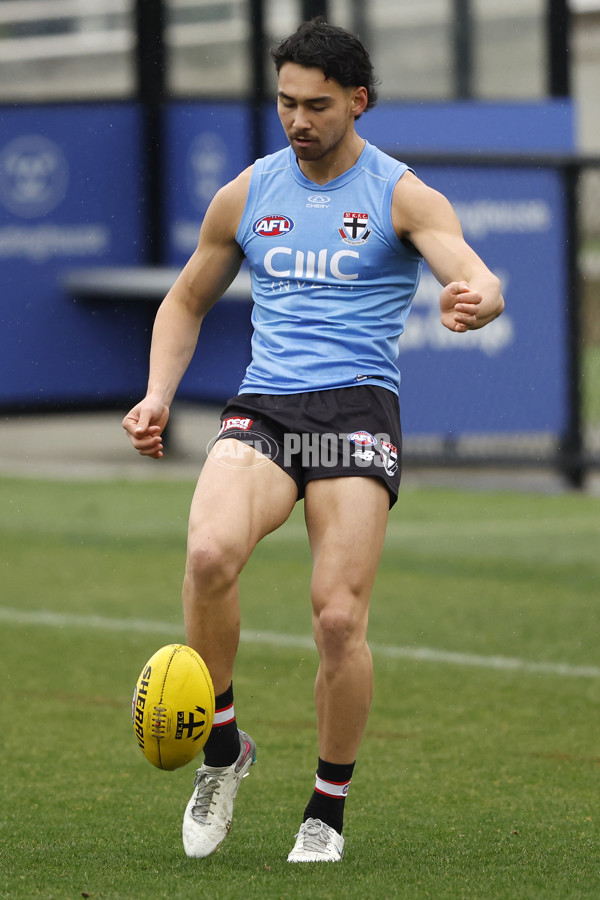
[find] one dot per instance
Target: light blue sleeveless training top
(331, 282)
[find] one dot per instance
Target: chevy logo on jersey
(272, 226)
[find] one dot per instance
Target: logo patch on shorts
(362, 438)
(236, 423)
(364, 442)
(389, 457)
(273, 226)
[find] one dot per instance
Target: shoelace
(206, 787)
(315, 837)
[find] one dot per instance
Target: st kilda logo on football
(273, 226)
(191, 723)
(354, 228)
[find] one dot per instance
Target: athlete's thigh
(346, 520)
(240, 497)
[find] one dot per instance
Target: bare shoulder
(416, 205)
(227, 206)
(236, 190)
(214, 263)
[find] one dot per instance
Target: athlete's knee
(213, 562)
(340, 626)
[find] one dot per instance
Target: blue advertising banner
(510, 376)
(69, 196)
(543, 126)
(207, 146)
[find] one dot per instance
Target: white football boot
(317, 842)
(208, 815)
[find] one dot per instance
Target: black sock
(223, 745)
(329, 795)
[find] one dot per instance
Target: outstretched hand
(459, 307)
(145, 424)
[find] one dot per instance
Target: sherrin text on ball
(173, 706)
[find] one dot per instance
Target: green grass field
(478, 776)
(590, 387)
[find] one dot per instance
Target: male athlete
(335, 233)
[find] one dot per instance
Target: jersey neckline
(337, 182)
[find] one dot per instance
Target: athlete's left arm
(472, 295)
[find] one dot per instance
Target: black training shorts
(322, 434)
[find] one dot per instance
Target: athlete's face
(317, 113)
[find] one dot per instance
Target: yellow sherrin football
(173, 706)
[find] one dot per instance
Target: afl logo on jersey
(272, 226)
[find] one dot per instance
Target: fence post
(558, 42)
(462, 48)
(257, 48)
(571, 452)
(151, 79)
(312, 8)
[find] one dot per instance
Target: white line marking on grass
(417, 654)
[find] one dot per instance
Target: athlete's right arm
(204, 279)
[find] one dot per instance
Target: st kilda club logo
(354, 228)
(273, 226)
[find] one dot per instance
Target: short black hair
(336, 52)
